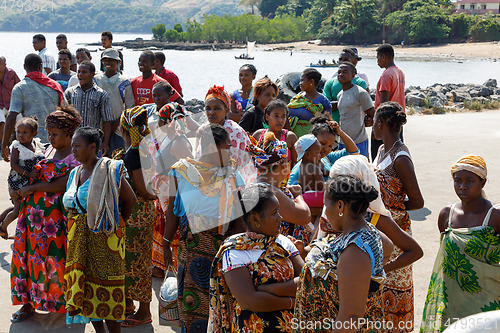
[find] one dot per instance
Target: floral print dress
(39, 252)
(274, 265)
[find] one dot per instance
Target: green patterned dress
(466, 276)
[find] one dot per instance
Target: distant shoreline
(485, 50)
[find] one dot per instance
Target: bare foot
(25, 311)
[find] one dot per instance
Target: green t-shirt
(332, 89)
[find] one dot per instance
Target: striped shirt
(48, 60)
(93, 104)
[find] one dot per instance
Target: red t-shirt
(143, 89)
(393, 81)
(172, 79)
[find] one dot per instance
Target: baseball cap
(110, 53)
(303, 144)
(356, 53)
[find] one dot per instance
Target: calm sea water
(198, 70)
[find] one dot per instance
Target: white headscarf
(358, 166)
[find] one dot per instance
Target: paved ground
(435, 143)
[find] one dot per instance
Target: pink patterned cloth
(239, 141)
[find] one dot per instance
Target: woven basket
(168, 311)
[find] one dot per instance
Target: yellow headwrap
(128, 122)
(472, 163)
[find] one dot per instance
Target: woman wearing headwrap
(202, 205)
(39, 252)
(466, 276)
(139, 227)
(174, 147)
(217, 106)
(270, 158)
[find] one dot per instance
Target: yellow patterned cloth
(472, 163)
(128, 122)
(210, 181)
(94, 279)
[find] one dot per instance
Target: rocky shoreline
(449, 96)
(155, 45)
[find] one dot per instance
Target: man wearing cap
(333, 87)
(120, 93)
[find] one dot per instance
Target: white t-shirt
(352, 105)
(238, 258)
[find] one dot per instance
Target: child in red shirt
(143, 85)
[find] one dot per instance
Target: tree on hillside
(421, 21)
(268, 7)
(158, 31)
(353, 21)
(320, 10)
(250, 3)
(178, 27)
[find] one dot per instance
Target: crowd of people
(277, 217)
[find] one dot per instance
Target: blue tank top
(242, 101)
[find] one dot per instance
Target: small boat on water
(323, 65)
(250, 47)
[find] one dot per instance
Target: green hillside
(115, 15)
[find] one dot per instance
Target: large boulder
(482, 100)
(474, 92)
(460, 95)
(492, 83)
(495, 97)
(435, 102)
(485, 91)
(414, 100)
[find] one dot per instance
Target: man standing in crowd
(142, 86)
(390, 87)
(107, 43)
(166, 74)
(120, 94)
(64, 73)
(62, 44)
(333, 87)
(49, 63)
(91, 101)
(36, 95)
(81, 55)
(8, 79)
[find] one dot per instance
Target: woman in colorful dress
(217, 104)
(378, 215)
(465, 278)
(400, 193)
(98, 199)
(263, 300)
(174, 147)
(308, 103)
(241, 99)
(270, 158)
(39, 252)
(342, 277)
(201, 204)
(139, 228)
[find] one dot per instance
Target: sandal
(20, 316)
(134, 322)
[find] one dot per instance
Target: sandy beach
(486, 50)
